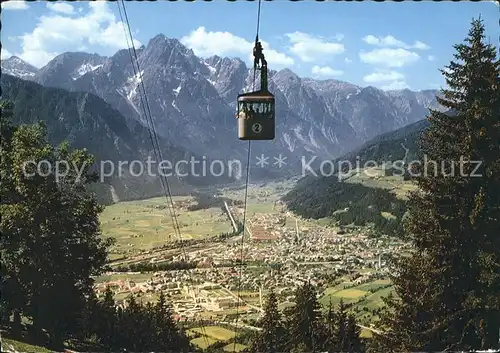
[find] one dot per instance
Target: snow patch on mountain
(86, 67)
(130, 88)
(15, 66)
(177, 90)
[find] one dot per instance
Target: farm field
(265, 193)
(144, 224)
(213, 334)
(22, 347)
(350, 294)
(364, 297)
(375, 178)
(203, 342)
(231, 347)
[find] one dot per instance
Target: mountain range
(192, 102)
(87, 121)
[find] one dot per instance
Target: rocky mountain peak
(15, 66)
(192, 101)
(170, 54)
(67, 67)
(162, 43)
(287, 74)
(15, 60)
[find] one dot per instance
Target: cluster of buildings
(278, 252)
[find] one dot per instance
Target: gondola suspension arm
(256, 109)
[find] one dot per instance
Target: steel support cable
(149, 122)
(155, 137)
(245, 200)
(152, 133)
(240, 274)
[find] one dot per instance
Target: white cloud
(395, 85)
(389, 57)
(347, 60)
(390, 41)
(205, 44)
(420, 45)
(383, 76)
(311, 48)
(325, 71)
(431, 58)
(15, 5)
(56, 33)
(5, 54)
(62, 7)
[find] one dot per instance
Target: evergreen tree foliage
(88, 319)
(300, 348)
(270, 339)
(448, 290)
(305, 325)
(107, 325)
(51, 247)
(343, 334)
(51, 243)
(352, 341)
(353, 204)
(330, 329)
(138, 326)
(168, 335)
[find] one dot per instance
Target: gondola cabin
(256, 113)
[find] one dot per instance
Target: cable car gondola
(256, 110)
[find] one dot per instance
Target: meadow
(145, 224)
(375, 178)
(214, 334)
(364, 297)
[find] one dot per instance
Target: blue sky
(387, 45)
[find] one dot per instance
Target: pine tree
(343, 334)
(89, 318)
(269, 340)
(305, 325)
(447, 291)
(107, 328)
(149, 328)
(168, 336)
(120, 338)
(142, 330)
(330, 329)
(131, 325)
(352, 339)
(341, 323)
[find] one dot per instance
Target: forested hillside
(87, 121)
(347, 203)
(399, 145)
